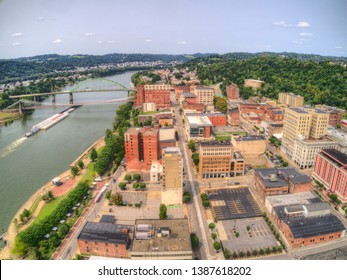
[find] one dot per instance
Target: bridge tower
(70, 98)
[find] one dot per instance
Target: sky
(35, 27)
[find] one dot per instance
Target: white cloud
(110, 42)
(148, 40)
(90, 34)
(338, 47)
(306, 34)
(17, 34)
(16, 44)
(302, 24)
(44, 18)
(181, 43)
(297, 42)
(58, 41)
(100, 42)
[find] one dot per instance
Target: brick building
(233, 92)
(277, 181)
(157, 94)
(330, 169)
(192, 106)
(216, 118)
(275, 114)
(188, 97)
(290, 99)
(234, 116)
(204, 94)
(335, 114)
(104, 239)
(179, 89)
(141, 147)
(250, 146)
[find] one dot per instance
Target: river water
(26, 164)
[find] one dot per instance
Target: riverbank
(8, 118)
(5, 253)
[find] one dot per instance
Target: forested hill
(318, 81)
(34, 67)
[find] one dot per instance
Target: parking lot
(258, 237)
(148, 210)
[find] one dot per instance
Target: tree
(186, 197)
(127, 177)
(191, 145)
(195, 157)
(221, 104)
(74, 171)
(217, 245)
(137, 177)
(25, 216)
(80, 164)
(213, 236)
(285, 164)
(63, 230)
(142, 185)
(194, 240)
(162, 212)
(48, 196)
(122, 185)
(117, 199)
(108, 195)
(205, 203)
(176, 135)
(93, 155)
(226, 253)
(211, 226)
(136, 185)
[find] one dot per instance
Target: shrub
(162, 212)
(235, 255)
(268, 250)
(205, 203)
(142, 185)
(136, 185)
(186, 197)
(122, 185)
(248, 253)
(213, 236)
(194, 240)
(255, 252)
(130, 204)
(211, 226)
(204, 196)
(137, 177)
(217, 245)
(127, 177)
(261, 252)
(241, 254)
(137, 204)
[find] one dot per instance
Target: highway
(195, 209)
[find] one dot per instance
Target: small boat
(32, 131)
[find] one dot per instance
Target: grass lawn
(4, 116)
(90, 173)
(148, 113)
(222, 137)
(260, 166)
(49, 208)
(33, 207)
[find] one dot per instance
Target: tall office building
(157, 94)
(204, 94)
(172, 176)
(141, 147)
(290, 99)
(304, 135)
(233, 92)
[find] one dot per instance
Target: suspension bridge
(94, 86)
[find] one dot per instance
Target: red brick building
(158, 94)
(278, 181)
(233, 92)
(141, 147)
(275, 114)
(104, 239)
(216, 118)
(259, 109)
(330, 169)
(192, 106)
(180, 89)
(234, 116)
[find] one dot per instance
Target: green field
(49, 208)
(33, 207)
(90, 174)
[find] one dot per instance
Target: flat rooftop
(336, 156)
(179, 239)
(277, 177)
(104, 232)
(250, 138)
(298, 110)
(195, 121)
(235, 203)
(167, 134)
(302, 227)
(292, 199)
(215, 143)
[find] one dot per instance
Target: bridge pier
(70, 98)
(53, 98)
(20, 104)
(35, 98)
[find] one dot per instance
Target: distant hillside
(319, 79)
(33, 67)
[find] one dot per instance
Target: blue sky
(33, 27)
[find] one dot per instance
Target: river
(26, 164)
